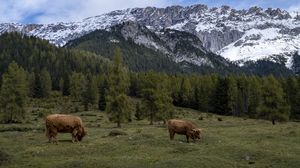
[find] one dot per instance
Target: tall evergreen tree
(37, 86)
(232, 95)
(138, 111)
(77, 86)
(185, 92)
(220, 98)
(13, 94)
(119, 105)
(243, 94)
(102, 88)
(91, 94)
(254, 96)
(46, 83)
(292, 90)
(65, 85)
(273, 106)
(31, 84)
(156, 98)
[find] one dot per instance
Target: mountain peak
(238, 35)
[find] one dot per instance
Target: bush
(43, 113)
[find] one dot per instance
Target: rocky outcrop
(222, 30)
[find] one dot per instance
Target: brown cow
(186, 128)
(65, 124)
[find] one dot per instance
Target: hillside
(238, 35)
(233, 142)
(35, 54)
(143, 50)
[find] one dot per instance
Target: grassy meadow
(232, 142)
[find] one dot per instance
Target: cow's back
(180, 126)
(62, 123)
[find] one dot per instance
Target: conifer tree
(185, 92)
(156, 98)
(138, 111)
(293, 96)
(243, 90)
(37, 85)
(77, 86)
(13, 94)
(119, 105)
(102, 88)
(31, 84)
(273, 106)
(220, 99)
(254, 96)
(46, 83)
(91, 94)
(65, 85)
(232, 94)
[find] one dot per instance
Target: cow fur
(186, 128)
(56, 123)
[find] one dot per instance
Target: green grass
(233, 142)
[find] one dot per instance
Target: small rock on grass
(116, 133)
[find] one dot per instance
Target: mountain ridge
(237, 35)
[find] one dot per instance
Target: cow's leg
(55, 140)
(74, 136)
(54, 134)
(50, 136)
(172, 134)
(187, 138)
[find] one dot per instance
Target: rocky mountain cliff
(143, 50)
(237, 35)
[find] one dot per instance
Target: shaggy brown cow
(65, 124)
(186, 128)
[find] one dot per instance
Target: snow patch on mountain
(238, 35)
(261, 44)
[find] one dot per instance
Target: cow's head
(81, 133)
(197, 133)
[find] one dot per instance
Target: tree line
(30, 67)
(271, 98)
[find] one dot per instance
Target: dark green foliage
(90, 80)
(138, 111)
(273, 106)
(119, 105)
(13, 94)
(221, 98)
(77, 86)
(91, 94)
(102, 88)
(296, 63)
(156, 99)
(185, 92)
(64, 85)
(140, 58)
(42, 84)
(265, 67)
(292, 90)
(46, 83)
(136, 57)
(34, 55)
(254, 96)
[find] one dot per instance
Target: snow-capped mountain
(238, 35)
